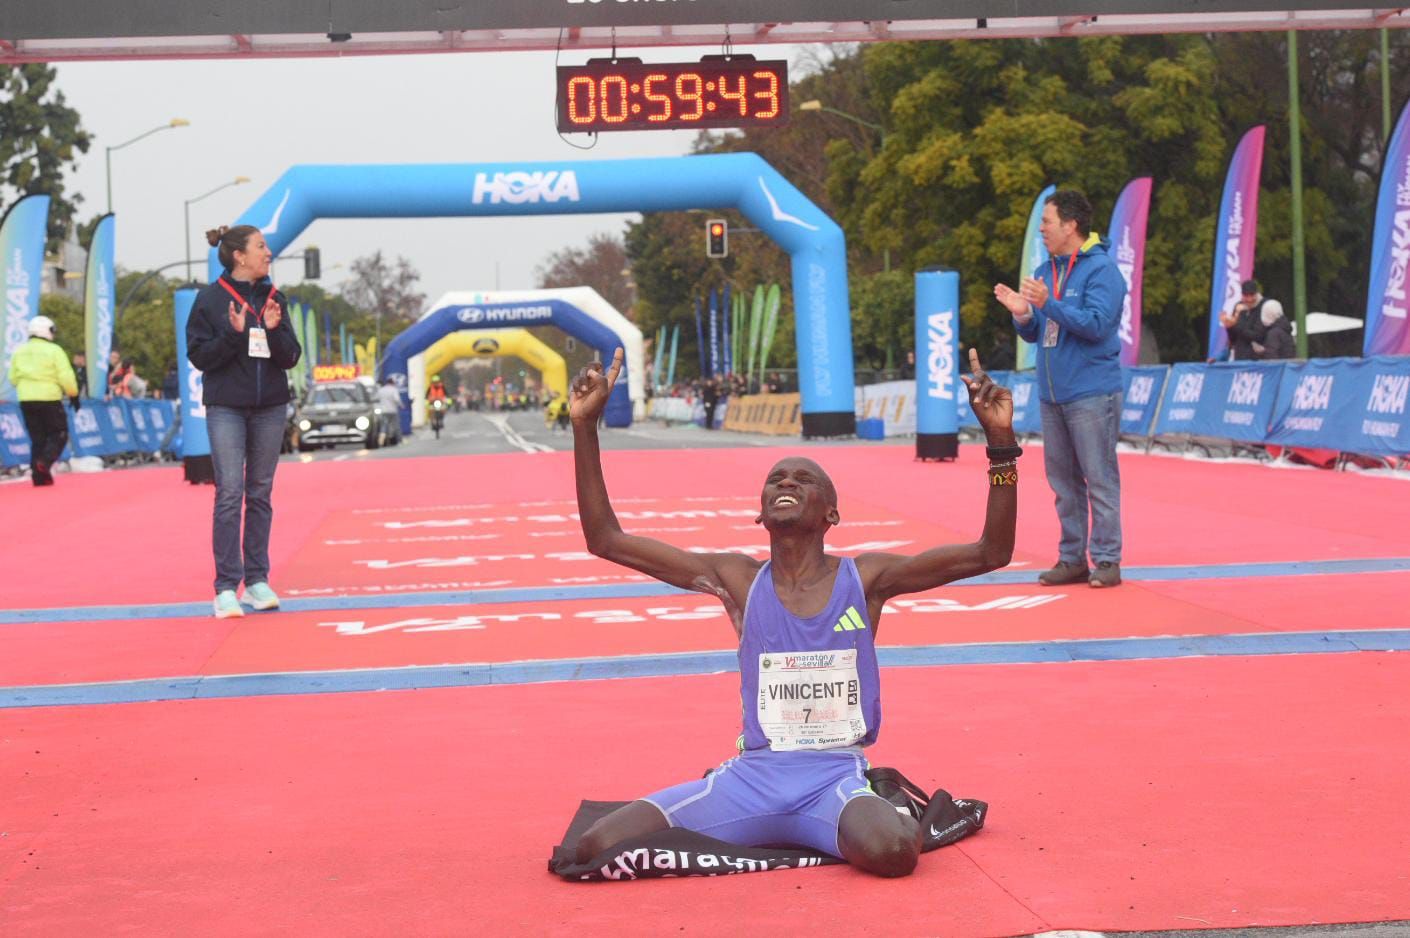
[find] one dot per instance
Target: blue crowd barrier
(1142, 389)
(97, 428)
(1352, 405)
(85, 431)
(14, 439)
(116, 431)
(136, 412)
(1027, 408)
(1228, 400)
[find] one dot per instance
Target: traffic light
(311, 264)
(716, 238)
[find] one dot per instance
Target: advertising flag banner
(22, 234)
(714, 328)
(1387, 329)
(700, 339)
(756, 319)
(1128, 244)
(773, 300)
(659, 357)
(1034, 255)
(1236, 236)
(726, 315)
(675, 344)
(99, 302)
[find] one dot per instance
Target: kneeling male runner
(806, 622)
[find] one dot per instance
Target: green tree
(40, 138)
(972, 131)
(67, 314)
(145, 332)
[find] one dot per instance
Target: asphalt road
(479, 432)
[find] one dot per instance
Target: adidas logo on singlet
(850, 621)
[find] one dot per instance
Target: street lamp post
(189, 202)
(108, 156)
(816, 105)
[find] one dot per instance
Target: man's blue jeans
(245, 445)
(1079, 455)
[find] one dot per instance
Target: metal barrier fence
(115, 429)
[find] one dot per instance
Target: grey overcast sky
(257, 118)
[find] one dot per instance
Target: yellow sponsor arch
(488, 343)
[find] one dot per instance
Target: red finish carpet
(400, 748)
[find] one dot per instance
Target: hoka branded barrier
(14, 439)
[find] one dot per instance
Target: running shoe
(259, 596)
(226, 606)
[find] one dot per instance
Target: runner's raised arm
(724, 575)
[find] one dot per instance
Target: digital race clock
(717, 91)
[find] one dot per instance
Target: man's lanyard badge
(1059, 284)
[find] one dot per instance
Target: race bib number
(259, 343)
(810, 699)
(1050, 334)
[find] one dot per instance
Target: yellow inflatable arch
(519, 343)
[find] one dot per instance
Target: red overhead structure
(41, 30)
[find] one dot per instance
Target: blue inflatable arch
(741, 181)
(455, 312)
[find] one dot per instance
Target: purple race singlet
(809, 683)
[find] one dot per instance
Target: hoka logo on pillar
(519, 188)
(942, 355)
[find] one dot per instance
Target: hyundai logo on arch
(475, 315)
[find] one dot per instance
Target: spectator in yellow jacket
(43, 377)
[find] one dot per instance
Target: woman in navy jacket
(239, 336)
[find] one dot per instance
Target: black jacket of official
(231, 377)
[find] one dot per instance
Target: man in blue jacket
(1071, 308)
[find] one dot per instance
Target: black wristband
(1003, 452)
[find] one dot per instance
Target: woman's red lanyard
(259, 316)
(1059, 284)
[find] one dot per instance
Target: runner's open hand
(588, 395)
(992, 403)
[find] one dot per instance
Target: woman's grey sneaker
(226, 606)
(1064, 573)
(1107, 573)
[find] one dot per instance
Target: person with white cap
(43, 377)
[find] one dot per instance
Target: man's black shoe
(1064, 573)
(1107, 573)
(947, 819)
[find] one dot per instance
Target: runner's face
(798, 492)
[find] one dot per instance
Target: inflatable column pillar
(937, 363)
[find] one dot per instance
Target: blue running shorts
(765, 797)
